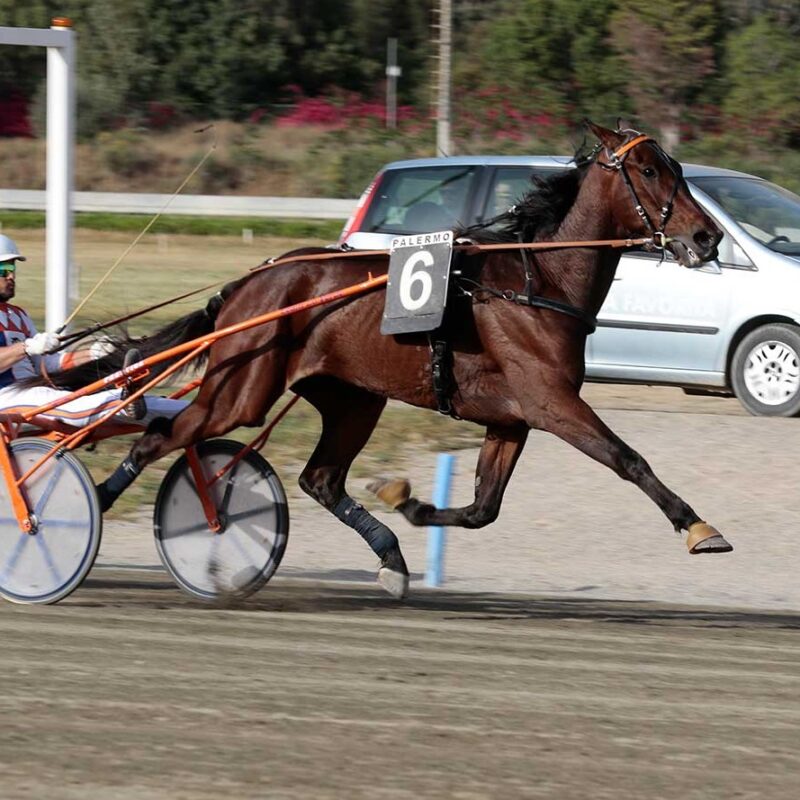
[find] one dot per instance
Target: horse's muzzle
(706, 241)
(701, 248)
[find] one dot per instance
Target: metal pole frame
(59, 40)
(444, 143)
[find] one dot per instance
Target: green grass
(328, 230)
(165, 265)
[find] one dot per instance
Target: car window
(420, 200)
(732, 255)
(769, 213)
(508, 186)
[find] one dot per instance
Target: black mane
(539, 212)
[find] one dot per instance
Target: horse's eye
(649, 172)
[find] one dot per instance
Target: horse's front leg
(501, 449)
(574, 421)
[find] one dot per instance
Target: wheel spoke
(19, 547)
(52, 481)
(229, 486)
(48, 559)
(195, 527)
(54, 524)
(247, 513)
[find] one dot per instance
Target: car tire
(765, 371)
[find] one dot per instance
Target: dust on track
(130, 689)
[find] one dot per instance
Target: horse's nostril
(706, 240)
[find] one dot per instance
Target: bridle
(615, 161)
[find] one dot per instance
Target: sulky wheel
(45, 566)
(252, 509)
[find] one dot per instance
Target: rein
(465, 246)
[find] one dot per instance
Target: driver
(23, 350)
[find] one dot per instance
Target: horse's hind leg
(577, 424)
(231, 395)
(349, 416)
(499, 453)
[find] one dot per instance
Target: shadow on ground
(151, 589)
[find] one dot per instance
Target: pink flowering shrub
(491, 114)
(338, 110)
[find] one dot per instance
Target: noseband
(616, 162)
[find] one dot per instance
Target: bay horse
(515, 365)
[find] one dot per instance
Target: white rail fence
(197, 204)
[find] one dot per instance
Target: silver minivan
(731, 326)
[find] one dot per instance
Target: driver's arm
(11, 354)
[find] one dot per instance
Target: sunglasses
(7, 269)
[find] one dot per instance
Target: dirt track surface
(575, 685)
(128, 689)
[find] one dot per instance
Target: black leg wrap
(119, 480)
(375, 533)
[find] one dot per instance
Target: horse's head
(649, 196)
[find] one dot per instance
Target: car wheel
(765, 371)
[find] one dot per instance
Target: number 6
(408, 277)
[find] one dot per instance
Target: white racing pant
(83, 410)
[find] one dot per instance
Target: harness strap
(640, 139)
(531, 300)
(552, 305)
(442, 373)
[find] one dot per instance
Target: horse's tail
(191, 326)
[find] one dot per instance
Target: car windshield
(767, 212)
(421, 200)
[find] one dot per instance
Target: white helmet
(9, 250)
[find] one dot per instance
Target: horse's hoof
(704, 538)
(396, 583)
(394, 492)
(393, 574)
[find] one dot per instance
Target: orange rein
(467, 246)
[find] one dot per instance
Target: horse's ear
(610, 139)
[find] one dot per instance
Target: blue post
(434, 575)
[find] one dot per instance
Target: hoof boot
(393, 492)
(703, 538)
(395, 583)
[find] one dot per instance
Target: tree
(374, 21)
(669, 57)
(22, 68)
(762, 67)
(551, 55)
